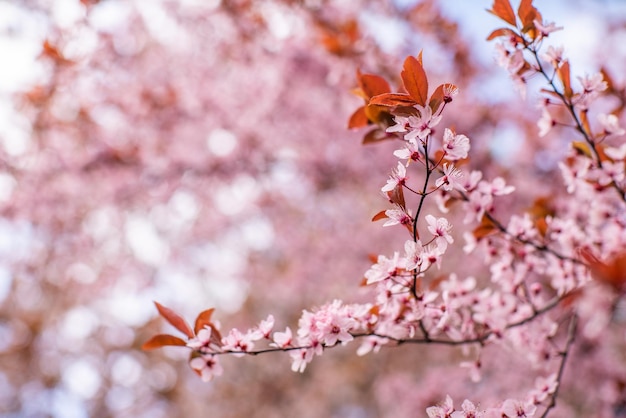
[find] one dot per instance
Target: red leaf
(527, 14)
(358, 119)
(504, 32)
(392, 99)
(396, 196)
(485, 228)
(380, 215)
(584, 121)
(162, 340)
(441, 94)
(376, 135)
(414, 80)
(564, 76)
(176, 320)
(503, 9)
(612, 272)
(373, 85)
(379, 115)
(204, 318)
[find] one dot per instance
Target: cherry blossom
(545, 123)
(455, 146)
(546, 28)
(554, 55)
(452, 178)
(610, 124)
(442, 411)
(410, 153)
(514, 409)
(282, 339)
(398, 217)
(207, 366)
(440, 228)
(398, 178)
(417, 127)
(469, 411)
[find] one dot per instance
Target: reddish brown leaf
(509, 33)
(564, 76)
(551, 93)
(358, 119)
(441, 94)
(613, 272)
(396, 196)
(176, 320)
(414, 80)
(503, 9)
(204, 318)
(162, 340)
(582, 147)
(392, 99)
(373, 85)
(542, 207)
(584, 121)
(485, 228)
(542, 226)
(378, 114)
(376, 135)
(380, 215)
(528, 14)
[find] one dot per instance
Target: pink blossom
(417, 127)
(477, 205)
(264, 329)
(497, 187)
(371, 344)
(384, 268)
(328, 325)
(398, 217)
(237, 342)
(402, 123)
(433, 253)
(475, 370)
(282, 339)
(452, 178)
(440, 228)
(544, 387)
(202, 341)
(616, 153)
(442, 411)
(300, 359)
(593, 83)
(424, 124)
(456, 147)
(545, 123)
(517, 409)
(610, 125)
(469, 411)
(397, 179)
(336, 328)
(414, 256)
(472, 181)
(207, 366)
(512, 61)
(410, 152)
(554, 55)
(546, 28)
(609, 173)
